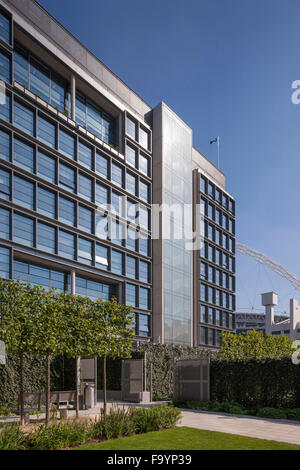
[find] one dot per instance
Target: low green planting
(65, 434)
(5, 411)
(238, 409)
(184, 438)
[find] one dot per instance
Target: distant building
(254, 321)
(289, 326)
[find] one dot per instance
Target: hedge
(256, 382)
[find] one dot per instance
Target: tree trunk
(48, 362)
(22, 388)
(77, 386)
(104, 385)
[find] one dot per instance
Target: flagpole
(218, 141)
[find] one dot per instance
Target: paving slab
(251, 426)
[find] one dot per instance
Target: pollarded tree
(76, 331)
(19, 309)
(111, 333)
(49, 331)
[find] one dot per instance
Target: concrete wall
(207, 167)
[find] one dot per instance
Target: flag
(214, 140)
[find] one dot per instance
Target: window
(102, 257)
(144, 298)
(231, 224)
(5, 28)
(59, 96)
(131, 295)
(85, 187)
(143, 325)
(23, 155)
(210, 336)
(66, 211)
(117, 175)
(210, 297)
(210, 211)
(85, 155)
(4, 146)
(21, 66)
(39, 79)
(5, 103)
(131, 184)
(225, 201)
(131, 267)
(102, 195)
(66, 144)
(210, 191)
(131, 211)
(4, 262)
(203, 267)
(117, 262)
(203, 314)
(116, 203)
(131, 155)
(4, 223)
(131, 239)
(102, 165)
(144, 138)
(231, 206)
(46, 132)
(5, 67)
(23, 230)
(144, 166)
(131, 128)
(144, 245)
(203, 184)
(210, 232)
(94, 289)
(84, 251)
(144, 271)
(144, 191)
(66, 245)
(85, 218)
(39, 275)
(203, 337)
(116, 232)
(46, 202)
(101, 226)
(95, 119)
(46, 238)
(210, 274)
(66, 177)
(218, 318)
(218, 196)
(47, 167)
(5, 185)
(144, 217)
(23, 193)
(23, 118)
(210, 315)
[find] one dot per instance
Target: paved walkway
(271, 429)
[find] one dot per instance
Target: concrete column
(294, 317)
(269, 300)
(73, 96)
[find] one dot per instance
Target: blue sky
(226, 68)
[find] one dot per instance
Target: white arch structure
(270, 263)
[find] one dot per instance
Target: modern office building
(83, 162)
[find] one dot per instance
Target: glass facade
(177, 189)
(217, 262)
(53, 178)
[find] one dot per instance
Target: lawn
(184, 438)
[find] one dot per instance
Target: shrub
(117, 423)
(268, 412)
(293, 413)
(5, 411)
(12, 438)
(155, 418)
(58, 435)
